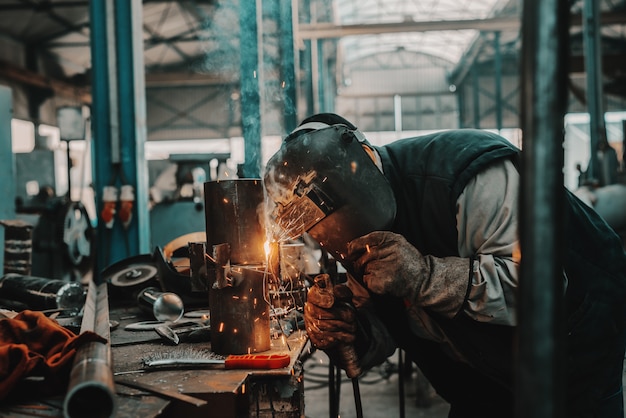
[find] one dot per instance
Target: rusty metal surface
(233, 211)
(240, 316)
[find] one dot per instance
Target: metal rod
(593, 67)
(357, 397)
(539, 377)
(91, 389)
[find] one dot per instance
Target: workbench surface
(276, 393)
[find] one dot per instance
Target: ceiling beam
(508, 23)
(182, 79)
(60, 88)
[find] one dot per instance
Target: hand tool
(173, 332)
(195, 358)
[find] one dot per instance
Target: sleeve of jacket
(487, 220)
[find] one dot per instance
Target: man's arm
(487, 219)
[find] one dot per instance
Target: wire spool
(126, 278)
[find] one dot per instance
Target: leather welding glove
(330, 319)
(390, 265)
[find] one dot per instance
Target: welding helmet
(323, 182)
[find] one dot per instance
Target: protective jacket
(427, 175)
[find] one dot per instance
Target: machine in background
(62, 234)
(177, 194)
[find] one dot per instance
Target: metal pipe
(593, 67)
(91, 389)
(540, 378)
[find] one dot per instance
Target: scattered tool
(173, 332)
(196, 358)
(163, 392)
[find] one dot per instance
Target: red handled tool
(196, 358)
(257, 361)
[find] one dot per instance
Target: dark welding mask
(323, 182)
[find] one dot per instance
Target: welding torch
(328, 295)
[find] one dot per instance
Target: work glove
(329, 318)
(389, 265)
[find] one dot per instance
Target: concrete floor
(379, 393)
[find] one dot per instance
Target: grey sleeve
(487, 218)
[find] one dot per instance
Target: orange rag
(31, 344)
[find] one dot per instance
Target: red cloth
(31, 344)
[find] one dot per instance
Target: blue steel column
(118, 113)
(288, 65)
(7, 164)
(593, 67)
(250, 96)
(132, 108)
(540, 366)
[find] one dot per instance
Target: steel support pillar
(540, 359)
(593, 67)
(288, 65)
(251, 56)
(119, 124)
(7, 165)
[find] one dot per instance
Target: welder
(427, 230)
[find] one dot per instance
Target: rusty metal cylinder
(236, 234)
(240, 314)
(234, 215)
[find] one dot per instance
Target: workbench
(276, 393)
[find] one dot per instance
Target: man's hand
(388, 264)
(329, 320)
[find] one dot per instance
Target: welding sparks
(221, 329)
(367, 248)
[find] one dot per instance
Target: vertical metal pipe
(593, 67)
(497, 60)
(250, 57)
(397, 114)
(315, 75)
(460, 95)
(101, 111)
(288, 65)
(545, 47)
(7, 164)
(476, 97)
